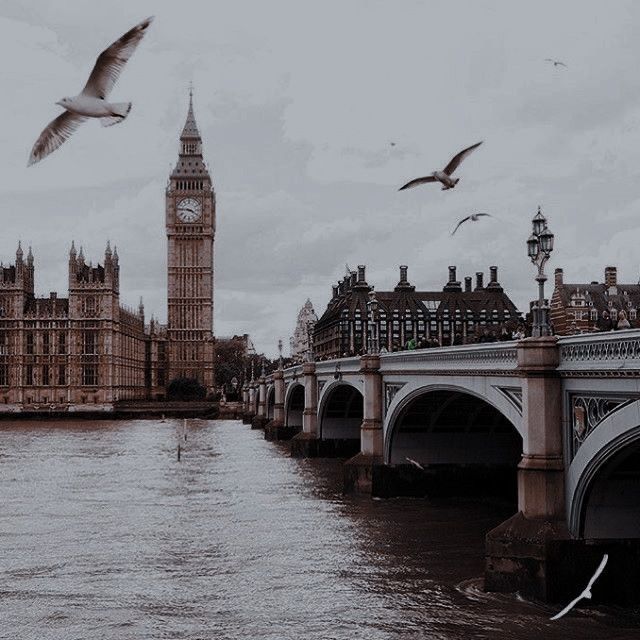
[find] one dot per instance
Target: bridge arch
(340, 411)
(461, 436)
(603, 480)
(294, 405)
(270, 401)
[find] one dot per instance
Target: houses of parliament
(87, 351)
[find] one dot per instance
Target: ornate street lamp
(280, 352)
(539, 248)
(372, 309)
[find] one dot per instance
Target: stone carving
(390, 390)
(588, 411)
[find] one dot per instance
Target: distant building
(579, 308)
(66, 353)
(299, 341)
(457, 314)
(244, 340)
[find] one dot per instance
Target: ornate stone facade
(86, 351)
(299, 341)
(190, 223)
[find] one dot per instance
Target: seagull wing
(54, 134)
(599, 570)
(568, 608)
(587, 592)
(416, 182)
(457, 159)
(461, 222)
(112, 60)
(558, 63)
(478, 215)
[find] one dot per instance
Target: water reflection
(103, 531)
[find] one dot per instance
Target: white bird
(556, 63)
(474, 217)
(91, 102)
(444, 176)
(415, 463)
(587, 592)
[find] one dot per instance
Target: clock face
(189, 210)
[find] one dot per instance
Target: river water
(105, 534)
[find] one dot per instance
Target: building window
(62, 375)
(28, 375)
(45, 342)
(89, 375)
(29, 342)
(45, 375)
(4, 375)
(594, 314)
(62, 342)
(90, 342)
(633, 314)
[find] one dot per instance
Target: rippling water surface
(104, 534)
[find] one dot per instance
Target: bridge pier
(260, 419)
(306, 443)
(248, 414)
(361, 473)
(276, 429)
(525, 553)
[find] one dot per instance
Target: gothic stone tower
(190, 223)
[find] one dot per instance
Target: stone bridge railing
(611, 353)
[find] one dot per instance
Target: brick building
(579, 308)
(458, 313)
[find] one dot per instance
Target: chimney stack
(494, 274)
(559, 277)
(610, 276)
(467, 284)
(334, 290)
(479, 277)
(353, 279)
(452, 274)
(403, 273)
(361, 270)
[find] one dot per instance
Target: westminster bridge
(554, 421)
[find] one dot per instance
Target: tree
(186, 389)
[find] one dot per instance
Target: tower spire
(190, 129)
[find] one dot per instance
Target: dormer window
(633, 314)
(594, 314)
(614, 314)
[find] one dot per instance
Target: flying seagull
(92, 102)
(474, 217)
(415, 463)
(556, 63)
(444, 176)
(587, 592)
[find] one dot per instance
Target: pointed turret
(81, 256)
(30, 257)
(141, 308)
(72, 251)
(190, 129)
(19, 253)
(190, 161)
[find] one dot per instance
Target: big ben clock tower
(190, 222)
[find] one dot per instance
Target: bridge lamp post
(372, 308)
(539, 248)
(280, 352)
(309, 341)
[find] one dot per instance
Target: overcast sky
(297, 103)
